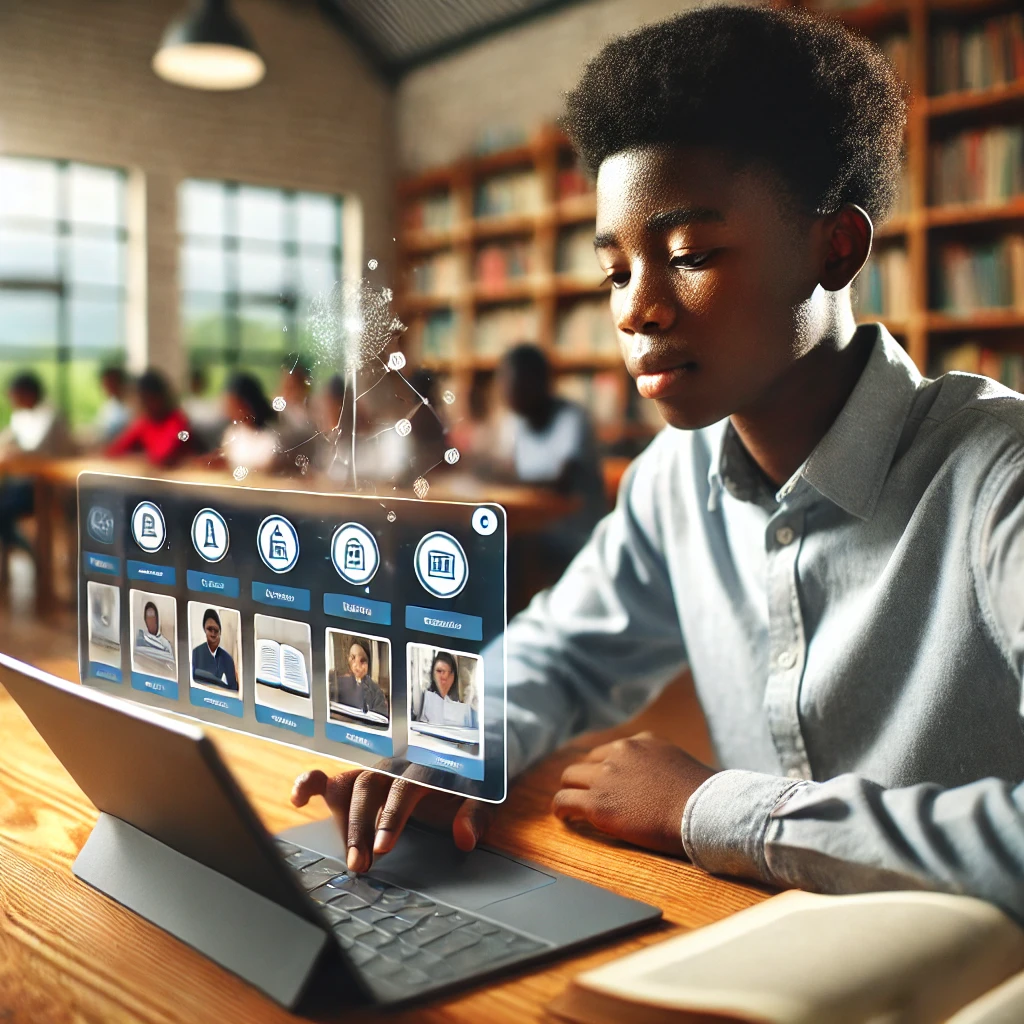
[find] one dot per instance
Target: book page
(268, 662)
(432, 711)
(293, 670)
(456, 713)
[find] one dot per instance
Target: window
(251, 259)
(62, 277)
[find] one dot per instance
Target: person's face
(152, 620)
(112, 385)
(23, 398)
(357, 662)
(153, 405)
(212, 633)
(711, 279)
(524, 393)
(443, 677)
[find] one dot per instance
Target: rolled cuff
(726, 818)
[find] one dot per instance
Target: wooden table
(69, 954)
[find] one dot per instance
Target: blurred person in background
(298, 425)
(37, 428)
(161, 431)
(114, 413)
(205, 412)
(473, 434)
(428, 440)
(251, 438)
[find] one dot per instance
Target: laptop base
(255, 938)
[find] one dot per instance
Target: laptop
(178, 843)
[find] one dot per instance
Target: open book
(438, 711)
(283, 666)
(892, 957)
(368, 716)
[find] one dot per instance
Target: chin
(688, 415)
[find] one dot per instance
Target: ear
(848, 236)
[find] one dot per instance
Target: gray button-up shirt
(856, 639)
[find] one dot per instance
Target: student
(113, 414)
(211, 664)
(148, 638)
(205, 412)
(251, 438)
(833, 544)
(162, 432)
(357, 689)
(444, 682)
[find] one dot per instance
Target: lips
(658, 382)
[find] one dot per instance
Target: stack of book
(496, 330)
(987, 54)
(883, 286)
(507, 194)
(437, 275)
(983, 166)
(585, 329)
(974, 277)
(575, 258)
(498, 263)
(438, 339)
(1005, 367)
(430, 213)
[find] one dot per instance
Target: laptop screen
(363, 628)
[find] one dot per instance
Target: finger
(470, 823)
(308, 785)
(369, 792)
(582, 775)
(338, 797)
(604, 751)
(572, 804)
(401, 802)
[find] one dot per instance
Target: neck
(785, 424)
(213, 647)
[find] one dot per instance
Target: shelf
(954, 215)
(968, 102)
(576, 209)
(424, 240)
(892, 326)
(505, 224)
(869, 18)
(413, 303)
(980, 320)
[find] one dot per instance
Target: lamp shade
(209, 48)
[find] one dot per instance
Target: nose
(646, 305)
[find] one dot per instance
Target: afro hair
(797, 93)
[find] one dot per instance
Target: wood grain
(68, 954)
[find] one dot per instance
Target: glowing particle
(420, 487)
(302, 461)
(279, 404)
(451, 456)
(388, 294)
(350, 325)
(285, 328)
(448, 397)
(372, 264)
(182, 435)
(397, 326)
(392, 517)
(240, 473)
(396, 361)
(403, 428)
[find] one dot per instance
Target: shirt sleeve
(128, 440)
(850, 834)
(601, 643)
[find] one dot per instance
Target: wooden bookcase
(446, 224)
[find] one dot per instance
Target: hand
(634, 789)
(371, 810)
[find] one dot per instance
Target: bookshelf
(497, 248)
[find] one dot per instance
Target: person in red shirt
(162, 432)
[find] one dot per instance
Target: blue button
(345, 607)
(430, 620)
(283, 720)
(109, 564)
(469, 767)
(151, 684)
(205, 699)
(375, 743)
(283, 597)
(151, 573)
(97, 670)
(207, 583)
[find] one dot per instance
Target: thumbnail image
(215, 639)
(445, 698)
(104, 624)
(359, 680)
(284, 665)
(154, 629)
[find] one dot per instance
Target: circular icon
(354, 554)
(148, 527)
(278, 543)
(441, 565)
(210, 535)
(485, 522)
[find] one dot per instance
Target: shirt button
(784, 535)
(787, 659)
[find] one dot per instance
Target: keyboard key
(343, 940)
(316, 874)
(382, 967)
(415, 914)
(360, 955)
(430, 928)
(334, 913)
(452, 942)
(436, 970)
(287, 849)
(375, 938)
(484, 927)
(394, 925)
(370, 915)
(345, 900)
(353, 929)
(303, 859)
(366, 889)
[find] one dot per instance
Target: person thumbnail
(444, 700)
(154, 628)
(217, 656)
(104, 624)
(359, 680)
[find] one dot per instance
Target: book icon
(281, 666)
(355, 559)
(440, 565)
(278, 543)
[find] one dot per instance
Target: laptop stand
(270, 947)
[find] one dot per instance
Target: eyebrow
(665, 220)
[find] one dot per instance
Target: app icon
(100, 524)
(278, 543)
(148, 527)
(210, 535)
(485, 521)
(355, 554)
(441, 564)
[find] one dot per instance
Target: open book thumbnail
(369, 716)
(438, 711)
(283, 666)
(800, 958)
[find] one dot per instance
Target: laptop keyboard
(400, 941)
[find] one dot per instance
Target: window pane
(96, 262)
(203, 268)
(260, 213)
(96, 195)
(262, 330)
(201, 208)
(27, 319)
(261, 273)
(28, 188)
(317, 218)
(95, 324)
(205, 327)
(315, 274)
(28, 255)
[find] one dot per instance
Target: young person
(833, 544)
(161, 432)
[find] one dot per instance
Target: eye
(618, 278)
(691, 260)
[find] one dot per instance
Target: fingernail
(353, 858)
(380, 840)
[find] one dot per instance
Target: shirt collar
(850, 463)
